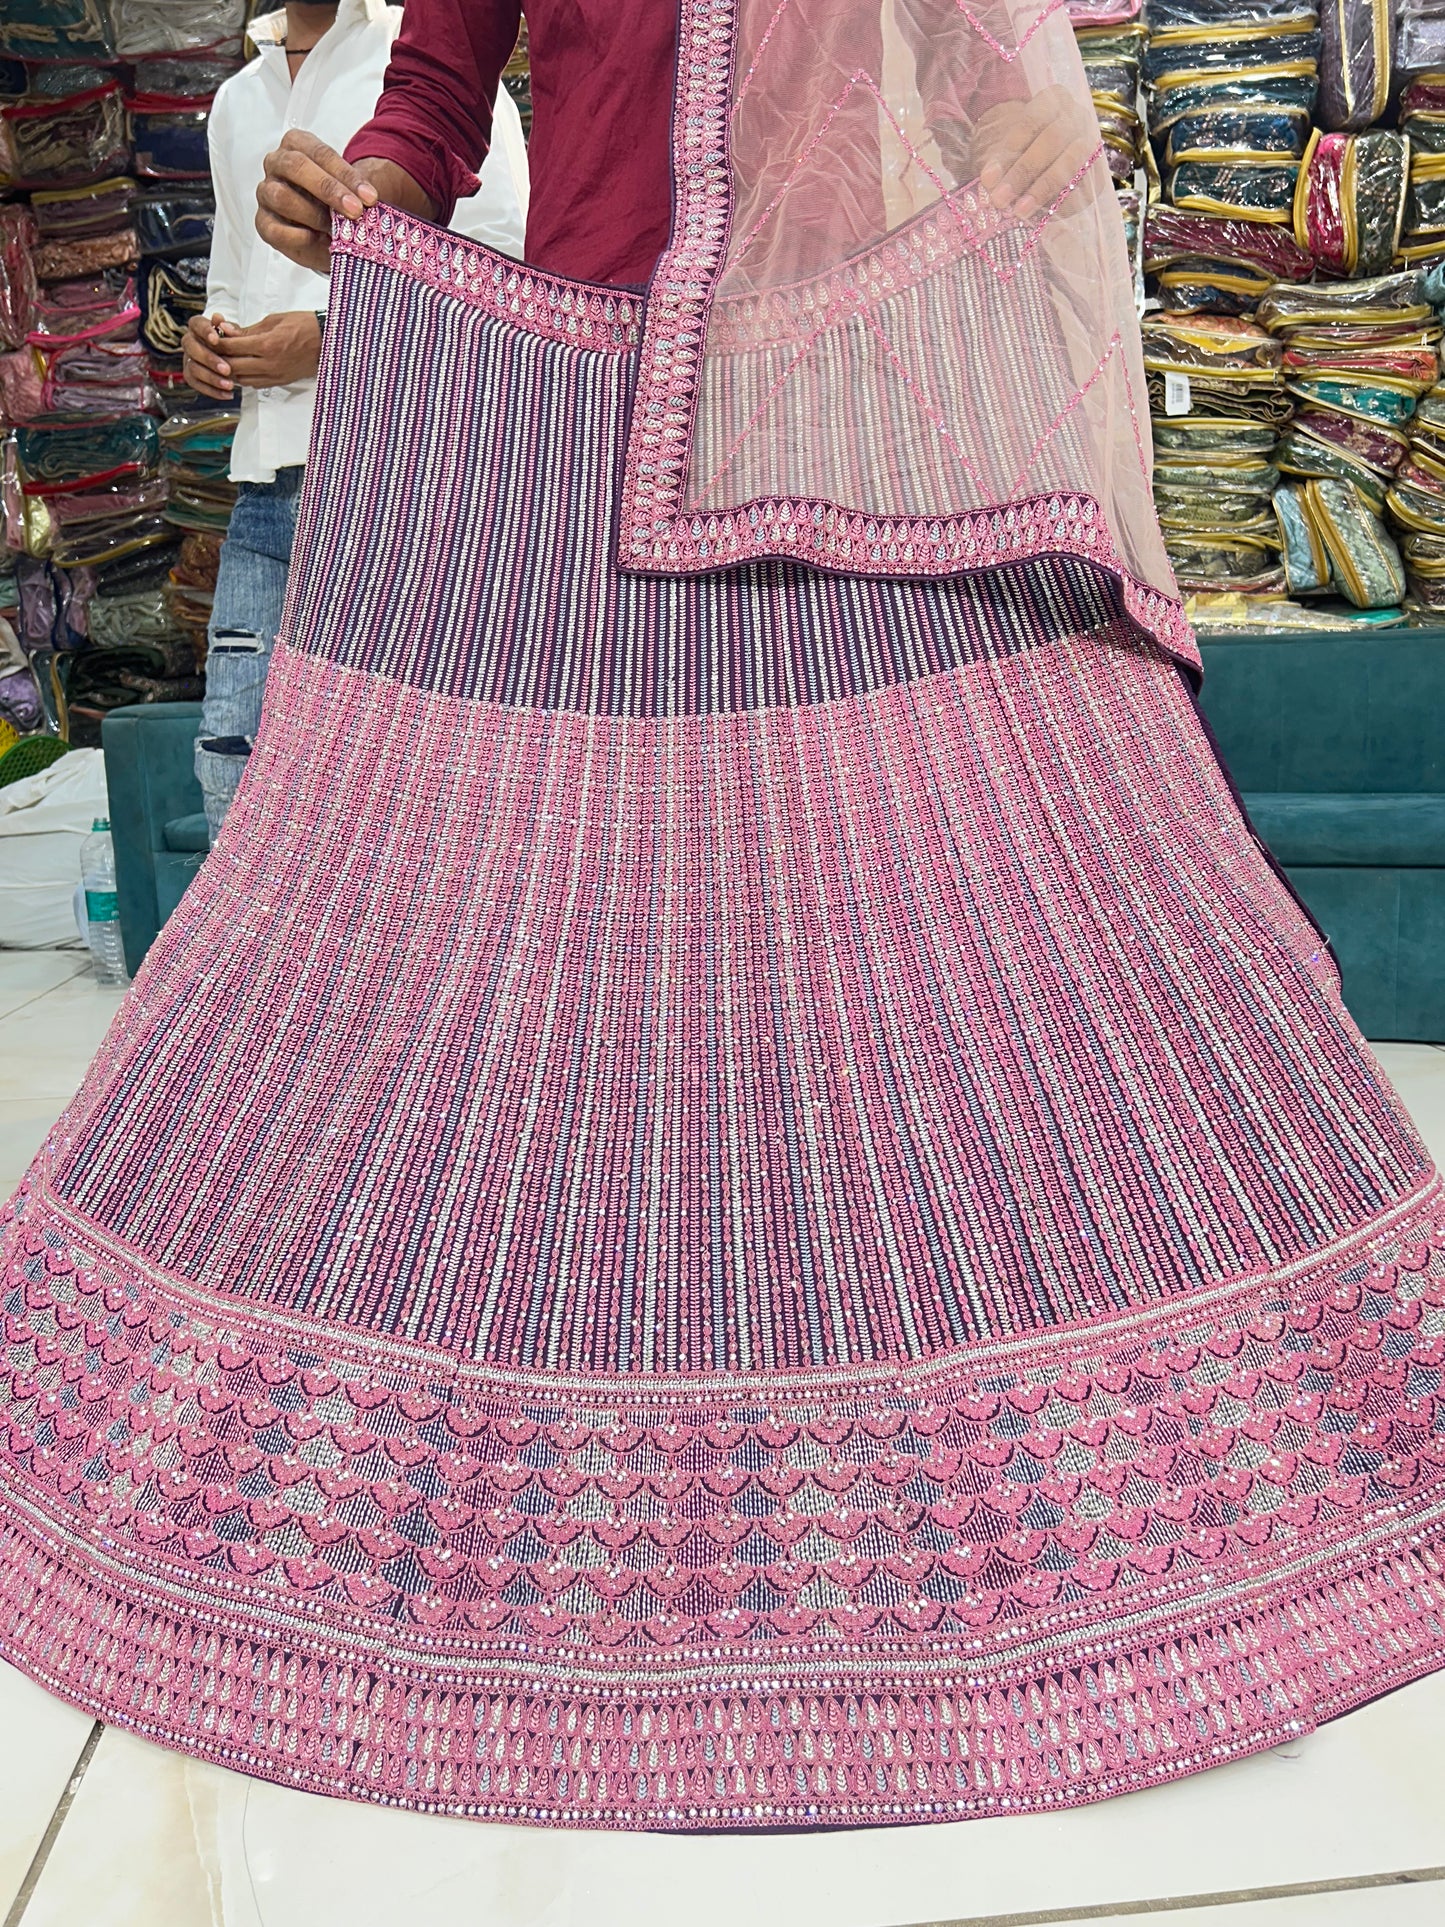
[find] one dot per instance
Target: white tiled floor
(152, 1840)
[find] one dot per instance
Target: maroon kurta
(602, 75)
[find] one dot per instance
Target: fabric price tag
(1177, 399)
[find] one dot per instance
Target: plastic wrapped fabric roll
(1425, 208)
(73, 259)
(122, 501)
(1306, 559)
(1253, 187)
(1389, 403)
(100, 539)
(1290, 91)
(1174, 234)
(1302, 454)
(1386, 301)
(1211, 345)
(177, 26)
(1212, 396)
(79, 213)
(1239, 131)
(1216, 474)
(1102, 13)
(175, 221)
(1379, 448)
(1425, 93)
(1355, 38)
(1180, 523)
(171, 292)
(171, 144)
(1381, 178)
(60, 455)
(1174, 55)
(199, 438)
(1208, 505)
(74, 138)
(22, 388)
(1419, 37)
(1166, 16)
(144, 615)
(1364, 561)
(1349, 205)
(190, 76)
(1417, 510)
(1249, 564)
(1184, 437)
(101, 308)
(1319, 206)
(1428, 425)
(1426, 132)
(17, 275)
(1210, 287)
(56, 30)
(99, 378)
(1424, 559)
(1417, 366)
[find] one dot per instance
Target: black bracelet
(321, 323)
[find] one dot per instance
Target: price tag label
(1177, 398)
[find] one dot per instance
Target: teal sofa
(1337, 743)
(156, 819)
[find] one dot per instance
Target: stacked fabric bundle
(181, 51)
(1349, 206)
(105, 135)
(196, 452)
(1422, 120)
(75, 386)
(1358, 356)
(190, 586)
(1416, 499)
(1231, 85)
(1217, 399)
(1215, 264)
(1111, 40)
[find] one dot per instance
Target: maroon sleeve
(434, 117)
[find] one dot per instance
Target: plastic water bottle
(102, 906)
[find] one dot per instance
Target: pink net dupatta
(859, 351)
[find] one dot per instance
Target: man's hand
(1029, 151)
(202, 358)
(280, 349)
(306, 182)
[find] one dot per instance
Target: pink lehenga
(737, 1198)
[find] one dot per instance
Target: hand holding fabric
(1030, 151)
(306, 183)
(279, 349)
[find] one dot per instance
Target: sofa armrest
(150, 774)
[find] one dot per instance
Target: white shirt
(333, 95)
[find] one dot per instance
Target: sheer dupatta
(857, 353)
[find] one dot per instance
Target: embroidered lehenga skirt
(731, 1201)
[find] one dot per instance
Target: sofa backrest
(1363, 714)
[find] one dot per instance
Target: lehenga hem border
(1066, 1735)
(1289, 1566)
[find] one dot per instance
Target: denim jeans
(250, 592)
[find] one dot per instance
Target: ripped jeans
(250, 591)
